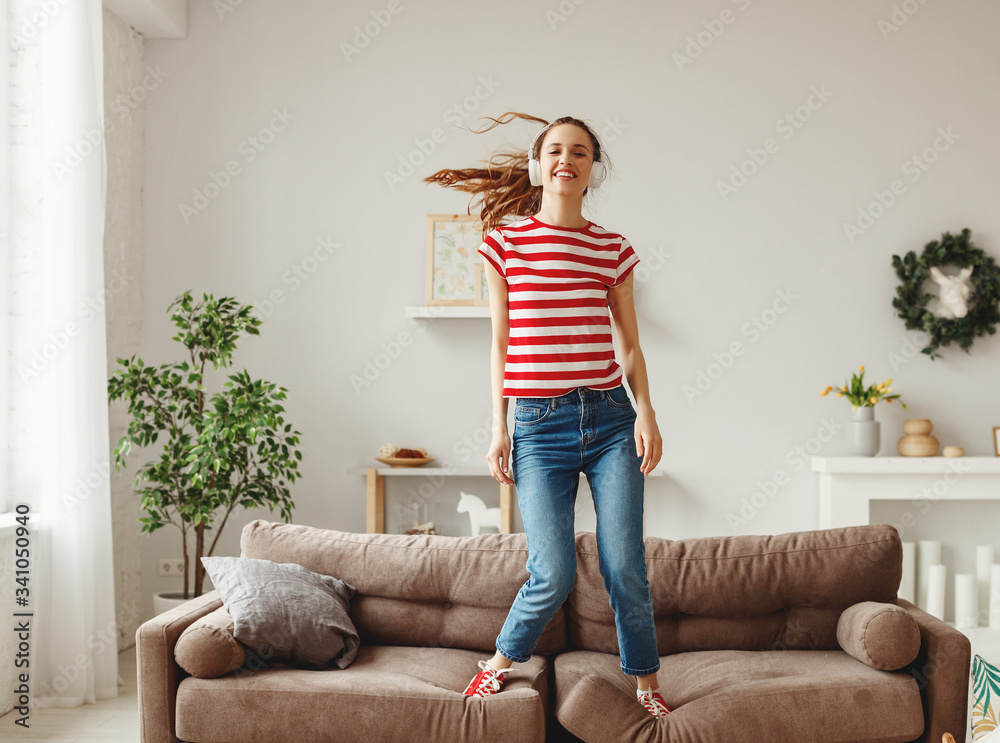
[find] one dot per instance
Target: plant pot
(165, 601)
(864, 433)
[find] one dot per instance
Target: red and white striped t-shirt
(557, 294)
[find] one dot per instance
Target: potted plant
(863, 431)
(223, 451)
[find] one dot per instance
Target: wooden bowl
(918, 446)
(953, 451)
(405, 461)
(917, 427)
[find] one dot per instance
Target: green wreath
(984, 300)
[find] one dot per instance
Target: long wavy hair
(503, 187)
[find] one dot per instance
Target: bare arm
(647, 435)
(499, 454)
(622, 304)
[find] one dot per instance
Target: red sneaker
(654, 704)
(488, 681)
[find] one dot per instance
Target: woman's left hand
(648, 443)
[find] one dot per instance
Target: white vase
(165, 601)
(864, 433)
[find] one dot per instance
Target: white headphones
(597, 174)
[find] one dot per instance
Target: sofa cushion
(785, 591)
(736, 696)
(286, 613)
(883, 636)
(208, 649)
(417, 589)
(388, 694)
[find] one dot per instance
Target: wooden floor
(111, 720)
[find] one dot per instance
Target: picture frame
(996, 441)
(454, 269)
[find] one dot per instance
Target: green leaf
(214, 451)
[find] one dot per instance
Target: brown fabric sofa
(747, 629)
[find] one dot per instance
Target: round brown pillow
(883, 636)
(207, 648)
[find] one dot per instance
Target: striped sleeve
(626, 262)
(494, 249)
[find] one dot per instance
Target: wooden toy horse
(479, 514)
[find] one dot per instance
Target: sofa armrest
(941, 670)
(158, 673)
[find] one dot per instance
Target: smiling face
(566, 158)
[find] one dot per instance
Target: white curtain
(59, 441)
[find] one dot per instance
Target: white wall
(126, 84)
(712, 265)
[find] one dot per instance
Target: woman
(553, 278)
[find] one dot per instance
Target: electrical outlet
(170, 568)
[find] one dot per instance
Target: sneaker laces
(491, 679)
(653, 705)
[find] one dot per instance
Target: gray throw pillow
(285, 613)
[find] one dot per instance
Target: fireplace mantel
(847, 485)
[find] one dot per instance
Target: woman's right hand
(498, 457)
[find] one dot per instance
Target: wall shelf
(441, 311)
(375, 490)
(482, 471)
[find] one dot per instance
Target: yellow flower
(839, 395)
(861, 368)
(887, 382)
(825, 392)
(887, 390)
(888, 401)
(873, 400)
(879, 386)
(844, 388)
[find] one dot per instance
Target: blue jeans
(555, 438)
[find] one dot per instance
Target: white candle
(995, 597)
(928, 553)
(937, 575)
(984, 562)
(966, 601)
(907, 585)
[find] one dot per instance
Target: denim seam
(640, 671)
(544, 416)
(511, 657)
